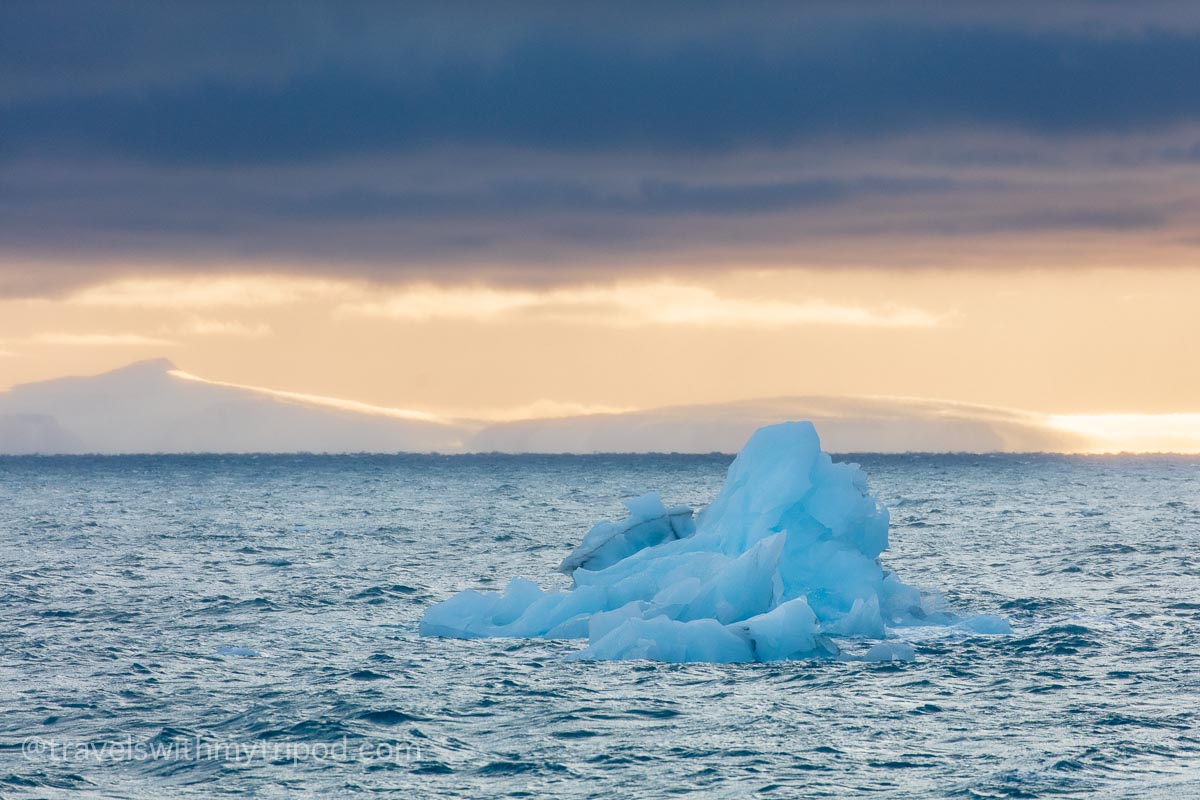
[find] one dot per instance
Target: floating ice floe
(232, 650)
(783, 564)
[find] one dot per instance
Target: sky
(525, 209)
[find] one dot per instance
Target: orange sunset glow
(1085, 347)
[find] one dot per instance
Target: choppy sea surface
(247, 626)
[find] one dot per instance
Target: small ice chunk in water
(231, 650)
(988, 624)
(783, 561)
(649, 523)
(891, 651)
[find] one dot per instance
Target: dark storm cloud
(123, 125)
(590, 94)
(516, 198)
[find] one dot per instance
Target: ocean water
(247, 627)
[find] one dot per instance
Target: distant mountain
(846, 425)
(152, 407)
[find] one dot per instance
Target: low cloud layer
(632, 305)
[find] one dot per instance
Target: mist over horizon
(153, 407)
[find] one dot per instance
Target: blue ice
(781, 565)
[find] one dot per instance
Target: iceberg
(782, 565)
